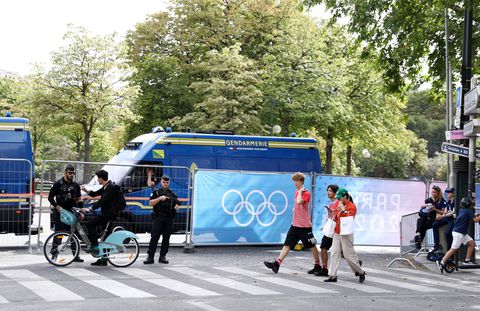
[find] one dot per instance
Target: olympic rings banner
(242, 208)
(380, 206)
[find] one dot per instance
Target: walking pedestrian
(460, 236)
(65, 193)
(165, 205)
(301, 228)
(343, 241)
(327, 241)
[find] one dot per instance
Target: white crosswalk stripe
(42, 287)
(114, 287)
(171, 284)
(279, 281)
(400, 284)
(345, 284)
(223, 281)
(469, 288)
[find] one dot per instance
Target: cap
(69, 167)
(465, 202)
(165, 177)
(449, 190)
(340, 193)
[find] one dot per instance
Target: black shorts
(296, 234)
(326, 243)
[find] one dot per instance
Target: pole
(463, 167)
(448, 97)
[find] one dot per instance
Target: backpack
(121, 202)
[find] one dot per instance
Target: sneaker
(468, 263)
(100, 262)
(323, 272)
(360, 262)
(316, 269)
(418, 242)
(148, 261)
(92, 250)
(361, 277)
(440, 266)
(437, 248)
(54, 257)
(78, 259)
(163, 260)
(331, 279)
(272, 265)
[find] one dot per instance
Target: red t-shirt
(301, 217)
(350, 210)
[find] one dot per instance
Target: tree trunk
(349, 160)
(328, 154)
(87, 132)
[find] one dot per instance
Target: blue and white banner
(380, 206)
(242, 208)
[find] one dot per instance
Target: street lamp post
(366, 155)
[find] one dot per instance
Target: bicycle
(120, 248)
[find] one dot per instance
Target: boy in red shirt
(301, 228)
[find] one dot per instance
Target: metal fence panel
(16, 197)
(133, 180)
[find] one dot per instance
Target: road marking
(114, 287)
(223, 281)
(3, 299)
(439, 276)
(203, 306)
(409, 286)
(278, 281)
(171, 284)
(423, 280)
(42, 287)
(346, 284)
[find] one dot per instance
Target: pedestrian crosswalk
(77, 284)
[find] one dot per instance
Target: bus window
(137, 177)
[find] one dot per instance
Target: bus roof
(9, 123)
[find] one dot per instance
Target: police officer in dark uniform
(65, 193)
(165, 205)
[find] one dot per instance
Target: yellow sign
(159, 154)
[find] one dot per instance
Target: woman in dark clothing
(428, 212)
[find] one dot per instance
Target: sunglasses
(71, 173)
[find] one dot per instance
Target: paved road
(230, 279)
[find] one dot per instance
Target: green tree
(85, 84)
(408, 34)
(230, 98)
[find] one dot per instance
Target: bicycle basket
(67, 217)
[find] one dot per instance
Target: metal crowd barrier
(133, 180)
(408, 226)
(16, 199)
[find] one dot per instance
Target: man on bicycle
(109, 199)
(65, 193)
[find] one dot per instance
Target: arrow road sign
(458, 150)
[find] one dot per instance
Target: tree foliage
(407, 34)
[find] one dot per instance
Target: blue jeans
(448, 231)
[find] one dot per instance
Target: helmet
(67, 217)
(465, 203)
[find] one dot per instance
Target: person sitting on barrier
(65, 193)
(460, 236)
(108, 202)
(445, 218)
(301, 228)
(428, 212)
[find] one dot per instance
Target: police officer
(165, 205)
(65, 193)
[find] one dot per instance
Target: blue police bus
(214, 150)
(16, 175)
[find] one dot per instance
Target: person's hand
(83, 188)
(177, 207)
(81, 216)
(163, 198)
(149, 172)
(58, 208)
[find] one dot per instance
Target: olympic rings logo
(254, 212)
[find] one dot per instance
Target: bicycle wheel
(61, 248)
(128, 257)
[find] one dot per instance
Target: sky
(31, 29)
